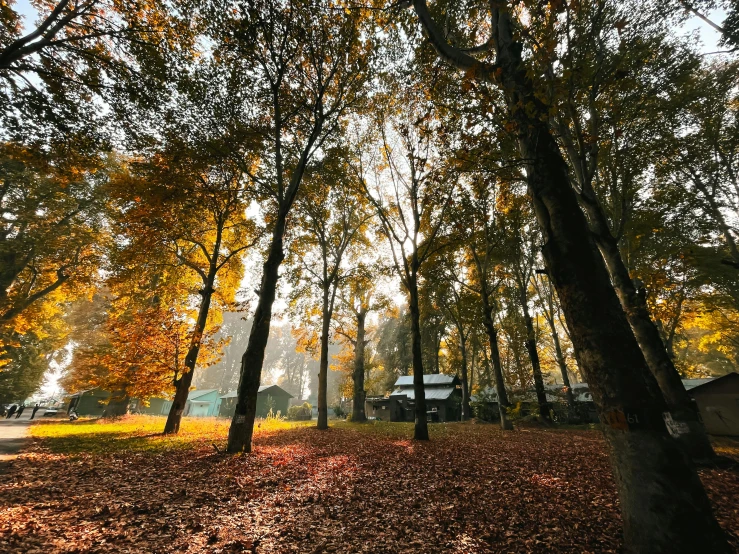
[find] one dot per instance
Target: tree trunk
(664, 505)
(559, 355)
(323, 365)
(437, 347)
(541, 395)
(465, 382)
(689, 431)
(420, 431)
(242, 424)
(492, 333)
(182, 384)
(473, 368)
(358, 413)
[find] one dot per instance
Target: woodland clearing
(92, 486)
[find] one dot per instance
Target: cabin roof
(430, 379)
(195, 394)
(439, 393)
(716, 384)
(272, 388)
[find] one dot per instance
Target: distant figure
(11, 411)
(20, 411)
(35, 409)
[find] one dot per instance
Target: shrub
(300, 413)
(339, 411)
(485, 407)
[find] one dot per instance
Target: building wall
(91, 403)
(227, 407)
(379, 409)
(200, 409)
(720, 413)
(156, 407)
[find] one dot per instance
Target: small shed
(718, 402)
(202, 403)
(91, 402)
(268, 397)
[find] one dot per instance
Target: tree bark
(664, 506)
(541, 395)
(358, 413)
(242, 424)
(465, 382)
(559, 355)
(183, 383)
(689, 431)
(492, 333)
(420, 431)
(323, 365)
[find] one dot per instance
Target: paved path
(14, 435)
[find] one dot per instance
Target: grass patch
(726, 446)
(139, 433)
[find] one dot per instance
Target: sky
(708, 36)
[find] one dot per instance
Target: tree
(52, 235)
(80, 49)
(447, 284)
(610, 120)
(663, 502)
(358, 298)
(479, 233)
(550, 311)
(410, 210)
(309, 64)
(132, 337)
(522, 266)
(332, 220)
(186, 208)
(24, 360)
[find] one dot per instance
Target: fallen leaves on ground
(471, 489)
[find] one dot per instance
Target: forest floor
(90, 486)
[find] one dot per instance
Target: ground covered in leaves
(92, 487)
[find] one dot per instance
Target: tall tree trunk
(465, 382)
(688, 429)
(541, 395)
(473, 367)
(559, 355)
(358, 413)
(323, 365)
(242, 424)
(495, 357)
(437, 347)
(183, 382)
(664, 505)
(420, 431)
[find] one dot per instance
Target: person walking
(35, 409)
(20, 411)
(11, 411)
